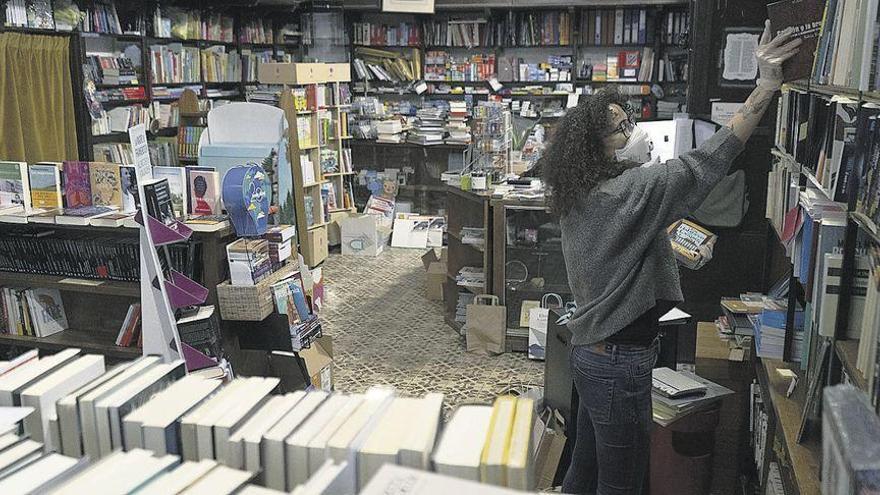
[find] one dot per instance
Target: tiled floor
(386, 332)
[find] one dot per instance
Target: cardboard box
(317, 242)
(362, 236)
(435, 271)
(338, 72)
(291, 73)
(334, 228)
(319, 363)
(436, 280)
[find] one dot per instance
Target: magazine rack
(161, 297)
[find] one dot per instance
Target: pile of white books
(389, 131)
(457, 124)
(170, 432)
(428, 128)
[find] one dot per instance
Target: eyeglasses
(625, 127)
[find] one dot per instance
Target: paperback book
(77, 185)
(14, 187)
(105, 182)
(45, 182)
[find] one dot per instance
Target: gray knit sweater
(617, 253)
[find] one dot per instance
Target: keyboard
(674, 385)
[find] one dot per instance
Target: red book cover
(77, 185)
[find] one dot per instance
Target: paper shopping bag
(538, 325)
(486, 326)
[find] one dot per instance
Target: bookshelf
(473, 210)
(192, 120)
(96, 307)
(315, 101)
(800, 462)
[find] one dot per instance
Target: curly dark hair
(575, 160)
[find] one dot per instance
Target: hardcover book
(77, 185)
(45, 179)
(14, 190)
(805, 17)
(176, 186)
(203, 184)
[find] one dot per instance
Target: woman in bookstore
(614, 212)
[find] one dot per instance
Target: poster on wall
(739, 67)
(408, 6)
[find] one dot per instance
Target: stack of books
(457, 124)
(249, 261)
(280, 238)
(471, 276)
(163, 428)
(389, 131)
(429, 126)
(667, 410)
(737, 310)
(770, 330)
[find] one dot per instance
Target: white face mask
(637, 149)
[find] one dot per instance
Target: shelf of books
(823, 203)
(776, 414)
(553, 51)
(139, 57)
(316, 102)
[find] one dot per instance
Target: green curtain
(37, 120)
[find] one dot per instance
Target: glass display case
(528, 263)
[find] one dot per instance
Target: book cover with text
(45, 181)
(77, 185)
(805, 17)
(177, 187)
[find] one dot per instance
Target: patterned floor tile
(386, 332)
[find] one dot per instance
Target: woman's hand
(771, 54)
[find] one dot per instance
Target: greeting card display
(245, 199)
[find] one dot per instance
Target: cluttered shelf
(476, 290)
(457, 236)
(103, 287)
(802, 458)
(848, 352)
(97, 342)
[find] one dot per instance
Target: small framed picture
(408, 6)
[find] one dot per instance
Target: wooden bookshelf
(313, 236)
(88, 341)
(800, 463)
(87, 286)
(848, 353)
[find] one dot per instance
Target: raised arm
(771, 54)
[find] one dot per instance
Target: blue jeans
(613, 441)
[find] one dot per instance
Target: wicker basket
(250, 302)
